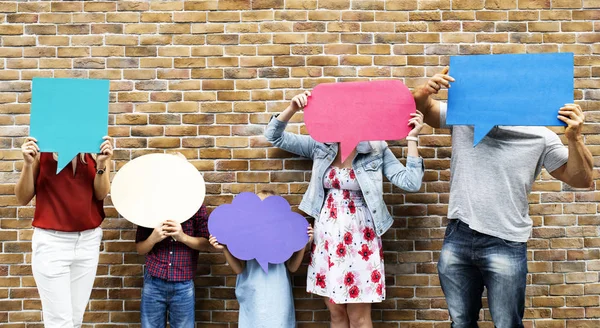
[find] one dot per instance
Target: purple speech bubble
(266, 230)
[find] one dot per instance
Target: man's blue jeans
(160, 296)
(471, 260)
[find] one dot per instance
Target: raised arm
(427, 105)
(407, 177)
(578, 171)
(275, 133)
(25, 188)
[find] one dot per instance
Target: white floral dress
(346, 256)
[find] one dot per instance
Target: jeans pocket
(450, 228)
(513, 244)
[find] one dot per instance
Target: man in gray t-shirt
(486, 239)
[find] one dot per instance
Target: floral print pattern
(346, 256)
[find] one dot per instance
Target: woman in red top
(67, 234)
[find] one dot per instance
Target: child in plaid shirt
(171, 251)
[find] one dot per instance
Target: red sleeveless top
(66, 202)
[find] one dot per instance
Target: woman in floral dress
(347, 259)
(346, 200)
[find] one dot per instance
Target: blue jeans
(160, 296)
(471, 260)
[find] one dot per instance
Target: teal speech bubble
(69, 116)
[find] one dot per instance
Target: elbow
(414, 188)
(586, 183)
(272, 138)
(101, 195)
(21, 201)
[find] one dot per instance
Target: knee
(338, 314)
(359, 317)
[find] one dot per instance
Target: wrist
(181, 237)
(154, 240)
(576, 138)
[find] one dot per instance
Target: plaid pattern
(172, 260)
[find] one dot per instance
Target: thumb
(445, 70)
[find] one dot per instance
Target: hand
(158, 234)
(213, 241)
(173, 229)
(106, 152)
(30, 150)
(310, 233)
(574, 117)
(434, 84)
(299, 101)
(416, 122)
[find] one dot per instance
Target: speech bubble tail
(264, 265)
(63, 160)
(480, 131)
(346, 149)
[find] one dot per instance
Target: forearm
(413, 150)
(102, 183)
(25, 188)
(197, 243)
(144, 247)
(580, 165)
(296, 260)
(286, 115)
(422, 99)
(236, 265)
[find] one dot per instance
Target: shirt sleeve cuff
(415, 162)
(275, 127)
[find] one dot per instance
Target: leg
(504, 268)
(181, 305)
(51, 260)
(360, 315)
(461, 280)
(83, 272)
(339, 316)
(154, 302)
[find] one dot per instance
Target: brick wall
(203, 78)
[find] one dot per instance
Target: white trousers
(64, 268)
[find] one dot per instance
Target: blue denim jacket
(374, 159)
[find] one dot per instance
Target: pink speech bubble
(352, 112)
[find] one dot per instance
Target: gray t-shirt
(489, 183)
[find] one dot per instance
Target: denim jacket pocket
(373, 165)
(375, 172)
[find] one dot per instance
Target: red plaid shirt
(172, 260)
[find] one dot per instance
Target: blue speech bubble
(512, 90)
(69, 116)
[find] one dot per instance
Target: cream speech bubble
(157, 187)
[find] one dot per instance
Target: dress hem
(347, 302)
